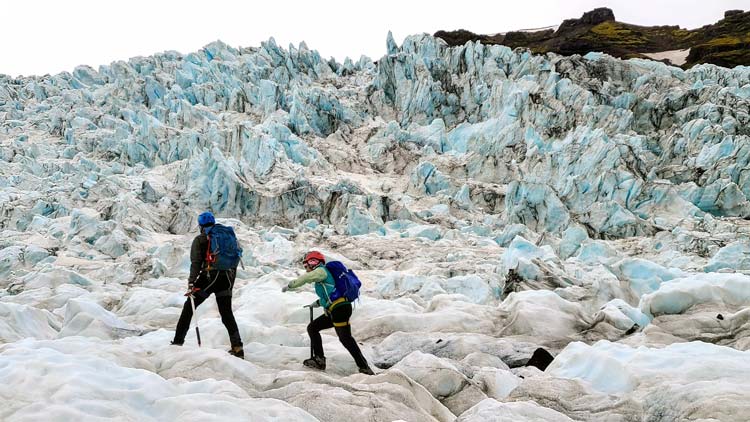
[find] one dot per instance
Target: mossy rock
(723, 43)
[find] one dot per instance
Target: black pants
(339, 320)
(220, 283)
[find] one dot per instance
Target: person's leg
(224, 302)
(318, 360)
(314, 328)
(340, 319)
(183, 324)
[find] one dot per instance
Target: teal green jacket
(324, 284)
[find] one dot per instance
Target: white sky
(48, 36)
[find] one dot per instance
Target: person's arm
(239, 248)
(315, 276)
(197, 256)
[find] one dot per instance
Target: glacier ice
(68, 382)
(664, 379)
(492, 201)
(735, 256)
(22, 321)
(677, 296)
(491, 410)
(442, 379)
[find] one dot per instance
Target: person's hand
(192, 289)
(284, 289)
(315, 304)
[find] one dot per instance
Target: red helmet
(314, 255)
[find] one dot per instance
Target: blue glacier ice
(735, 256)
(534, 114)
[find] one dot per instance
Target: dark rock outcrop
(725, 43)
(591, 18)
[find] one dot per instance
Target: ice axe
(197, 331)
(311, 320)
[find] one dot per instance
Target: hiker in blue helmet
(336, 313)
(205, 280)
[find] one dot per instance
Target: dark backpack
(223, 251)
(347, 283)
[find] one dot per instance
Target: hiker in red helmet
(336, 313)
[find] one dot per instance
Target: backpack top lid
(346, 282)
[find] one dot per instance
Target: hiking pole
(197, 331)
(311, 320)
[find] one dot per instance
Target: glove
(315, 304)
(192, 289)
(284, 289)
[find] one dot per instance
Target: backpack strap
(328, 274)
(210, 258)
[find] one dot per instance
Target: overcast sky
(46, 36)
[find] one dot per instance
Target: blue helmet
(206, 219)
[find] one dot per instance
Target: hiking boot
(237, 351)
(174, 343)
(366, 370)
(316, 363)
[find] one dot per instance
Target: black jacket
(197, 257)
